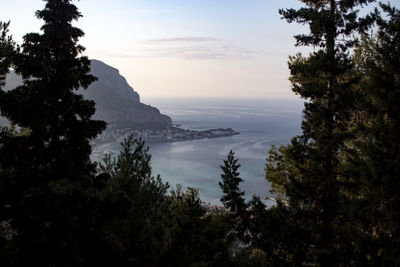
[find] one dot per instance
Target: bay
(196, 163)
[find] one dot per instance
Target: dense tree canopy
(374, 155)
(309, 170)
(47, 178)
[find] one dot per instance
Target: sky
(183, 48)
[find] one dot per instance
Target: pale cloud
(182, 48)
(183, 39)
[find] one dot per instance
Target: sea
(196, 163)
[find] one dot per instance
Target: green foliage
(48, 183)
(137, 205)
(148, 227)
(7, 51)
(337, 183)
(199, 234)
(280, 169)
(309, 171)
(373, 157)
(233, 197)
(251, 257)
(258, 258)
(329, 19)
(57, 209)
(187, 214)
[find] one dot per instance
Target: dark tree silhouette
(233, 197)
(310, 167)
(48, 180)
(374, 156)
(7, 51)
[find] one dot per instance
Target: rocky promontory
(118, 103)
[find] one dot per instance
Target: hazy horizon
(184, 48)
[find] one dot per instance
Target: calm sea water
(195, 163)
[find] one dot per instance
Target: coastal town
(170, 134)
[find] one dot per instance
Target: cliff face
(116, 101)
(110, 86)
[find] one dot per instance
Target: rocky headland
(119, 105)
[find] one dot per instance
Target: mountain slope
(116, 101)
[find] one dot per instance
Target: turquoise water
(195, 163)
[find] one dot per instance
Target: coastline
(103, 143)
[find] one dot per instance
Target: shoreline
(170, 134)
(101, 145)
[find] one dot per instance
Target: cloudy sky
(183, 48)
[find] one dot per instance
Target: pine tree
(233, 197)
(199, 234)
(313, 178)
(374, 156)
(137, 217)
(7, 51)
(48, 181)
